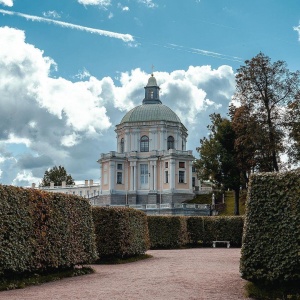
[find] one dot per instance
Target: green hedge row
(271, 251)
(207, 229)
(175, 231)
(120, 232)
(40, 230)
(167, 231)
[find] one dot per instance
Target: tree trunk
(236, 201)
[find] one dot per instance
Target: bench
(223, 242)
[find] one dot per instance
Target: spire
(152, 91)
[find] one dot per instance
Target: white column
(155, 176)
(190, 176)
(172, 173)
(127, 141)
(112, 171)
(135, 175)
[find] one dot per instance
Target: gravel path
(205, 273)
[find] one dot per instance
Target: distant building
(151, 164)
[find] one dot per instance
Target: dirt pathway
(206, 273)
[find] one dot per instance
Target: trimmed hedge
(167, 232)
(205, 230)
(120, 232)
(270, 252)
(40, 231)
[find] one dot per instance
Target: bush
(120, 232)
(40, 231)
(270, 252)
(205, 230)
(167, 231)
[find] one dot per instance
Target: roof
(151, 112)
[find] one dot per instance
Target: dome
(152, 112)
(152, 81)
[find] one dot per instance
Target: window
(166, 165)
(80, 193)
(122, 145)
(193, 169)
(181, 177)
(144, 174)
(193, 181)
(170, 142)
(144, 144)
(119, 177)
(120, 167)
(182, 164)
(166, 176)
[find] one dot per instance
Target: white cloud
(25, 178)
(83, 74)
(148, 3)
(102, 3)
(111, 15)
(7, 2)
(125, 8)
(297, 28)
(51, 14)
(116, 35)
(1, 173)
(59, 122)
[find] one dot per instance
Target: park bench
(223, 242)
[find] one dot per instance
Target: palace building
(151, 164)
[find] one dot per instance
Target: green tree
(57, 175)
(293, 124)
(217, 160)
(264, 89)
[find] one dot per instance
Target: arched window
(144, 144)
(122, 145)
(170, 142)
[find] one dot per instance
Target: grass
(19, 281)
(124, 260)
(255, 291)
(229, 201)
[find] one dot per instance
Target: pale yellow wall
(105, 172)
(186, 170)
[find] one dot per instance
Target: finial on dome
(152, 67)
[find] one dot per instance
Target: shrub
(167, 231)
(205, 230)
(120, 232)
(270, 251)
(40, 231)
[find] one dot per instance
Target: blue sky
(69, 70)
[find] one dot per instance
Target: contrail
(116, 35)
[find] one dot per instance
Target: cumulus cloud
(7, 2)
(297, 28)
(46, 121)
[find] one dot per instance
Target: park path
(202, 273)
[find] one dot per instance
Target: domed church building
(151, 164)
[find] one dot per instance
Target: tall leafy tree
(263, 89)
(57, 175)
(217, 160)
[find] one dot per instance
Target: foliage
(167, 232)
(263, 89)
(293, 124)
(22, 280)
(120, 232)
(41, 231)
(57, 175)
(205, 230)
(230, 201)
(270, 252)
(218, 158)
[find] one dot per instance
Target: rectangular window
(166, 165)
(193, 181)
(80, 193)
(144, 174)
(181, 164)
(120, 167)
(193, 169)
(181, 177)
(119, 177)
(166, 176)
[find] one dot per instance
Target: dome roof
(150, 112)
(152, 81)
